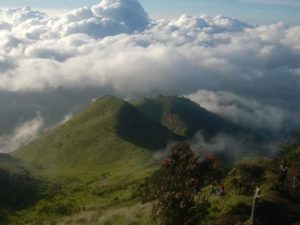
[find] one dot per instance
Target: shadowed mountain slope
(182, 116)
(18, 188)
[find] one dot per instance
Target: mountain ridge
(107, 132)
(183, 116)
(93, 163)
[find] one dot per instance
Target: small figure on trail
(283, 172)
(217, 190)
(221, 190)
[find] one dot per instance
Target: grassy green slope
(109, 136)
(92, 163)
(182, 116)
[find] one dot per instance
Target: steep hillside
(92, 162)
(182, 116)
(109, 134)
(18, 188)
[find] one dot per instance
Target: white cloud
(240, 110)
(65, 119)
(115, 48)
(62, 51)
(16, 16)
(54, 11)
(222, 143)
(129, 12)
(22, 134)
(232, 148)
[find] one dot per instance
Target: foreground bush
(179, 201)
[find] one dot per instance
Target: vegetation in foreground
(192, 193)
(201, 192)
(98, 169)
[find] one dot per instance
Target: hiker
(221, 191)
(282, 176)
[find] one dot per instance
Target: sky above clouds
(254, 11)
(52, 66)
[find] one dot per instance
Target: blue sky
(256, 11)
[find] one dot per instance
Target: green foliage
(179, 187)
(247, 177)
(52, 207)
(212, 170)
(148, 189)
(290, 156)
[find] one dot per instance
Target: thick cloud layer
(240, 71)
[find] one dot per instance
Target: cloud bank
(24, 133)
(242, 111)
(248, 74)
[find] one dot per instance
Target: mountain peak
(109, 131)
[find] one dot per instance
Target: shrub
(249, 176)
(178, 195)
